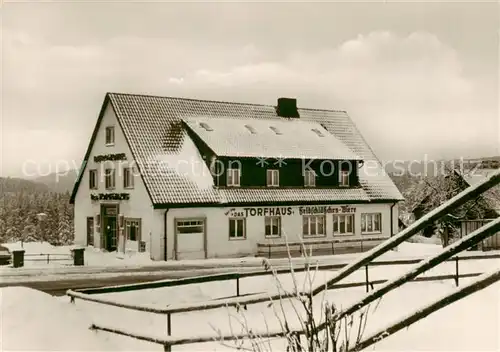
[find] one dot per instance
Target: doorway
(109, 226)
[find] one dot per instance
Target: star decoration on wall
(262, 161)
(280, 162)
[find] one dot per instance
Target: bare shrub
(304, 322)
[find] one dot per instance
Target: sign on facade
(286, 211)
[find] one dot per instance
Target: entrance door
(190, 239)
(109, 228)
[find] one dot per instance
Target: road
(58, 285)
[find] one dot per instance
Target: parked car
(5, 256)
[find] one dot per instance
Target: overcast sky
(417, 78)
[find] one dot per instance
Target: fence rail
(48, 257)
(241, 300)
(330, 246)
(170, 341)
(241, 275)
(367, 257)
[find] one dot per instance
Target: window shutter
(98, 222)
(120, 221)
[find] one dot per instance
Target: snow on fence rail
(368, 257)
(388, 285)
(252, 273)
(480, 283)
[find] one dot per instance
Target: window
(110, 135)
(313, 225)
(206, 126)
(233, 177)
(93, 179)
(273, 226)
(371, 223)
(237, 228)
(275, 130)
(110, 178)
(318, 132)
(90, 231)
(309, 178)
(190, 226)
(251, 129)
(128, 177)
(133, 229)
(273, 178)
(343, 224)
(344, 178)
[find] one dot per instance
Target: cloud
(405, 91)
(409, 95)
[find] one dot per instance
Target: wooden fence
(468, 226)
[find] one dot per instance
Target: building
(184, 178)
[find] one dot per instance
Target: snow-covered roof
(269, 138)
(154, 130)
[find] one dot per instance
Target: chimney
(287, 107)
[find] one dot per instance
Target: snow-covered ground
(31, 320)
(97, 258)
(38, 321)
(104, 264)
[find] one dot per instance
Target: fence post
(333, 245)
(456, 271)
(269, 250)
(48, 256)
(238, 286)
(367, 280)
(362, 244)
(169, 325)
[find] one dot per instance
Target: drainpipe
(165, 234)
(392, 219)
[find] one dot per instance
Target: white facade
(137, 207)
(217, 227)
(163, 239)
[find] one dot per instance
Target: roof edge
(269, 203)
(220, 101)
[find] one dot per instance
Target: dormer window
(344, 178)
(233, 177)
(275, 130)
(110, 135)
(206, 126)
(273, 178)
(251, 129)
(309, 178)
(318, 132)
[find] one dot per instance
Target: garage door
(190, 235)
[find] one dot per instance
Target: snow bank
(418, 249)
(33, 320)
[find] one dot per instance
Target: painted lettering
(246, 212)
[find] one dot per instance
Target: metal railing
(324, 246)
(47, 257)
